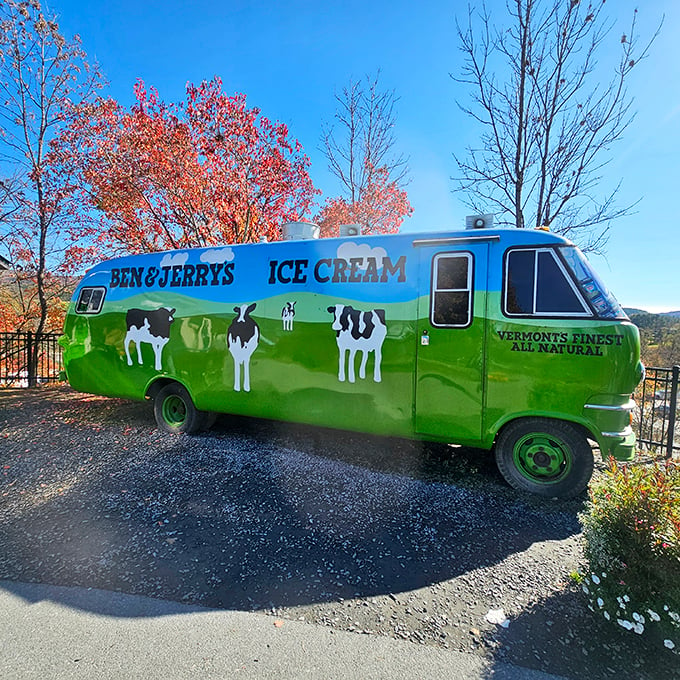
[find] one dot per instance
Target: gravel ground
(372, 535)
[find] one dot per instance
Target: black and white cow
(243, 336)
(358, 331)
(287, 316)
(150, 326)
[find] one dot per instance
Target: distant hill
(632, 311)
(659, 336)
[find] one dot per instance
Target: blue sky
(289, 58)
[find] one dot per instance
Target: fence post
(673, 408)
(29, 357)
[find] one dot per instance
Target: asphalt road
(56, 632)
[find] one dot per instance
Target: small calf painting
(287, 316)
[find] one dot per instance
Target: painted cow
(150, 326)
(287, 316)
(242, 337)
(358, 331)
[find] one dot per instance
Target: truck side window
(90, 300)
(537, 283)
(451, 293)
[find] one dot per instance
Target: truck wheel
(174, 410)
(547, 457)
(209, 418)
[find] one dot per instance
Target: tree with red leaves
(206, 171)
(360, 153)
(380, 209)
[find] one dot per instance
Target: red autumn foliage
(380, 208)
(11, 318)
(206, 171)
(20, 302)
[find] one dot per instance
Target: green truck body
(488, 338)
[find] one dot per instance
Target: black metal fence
(29, 359)
(656, 415)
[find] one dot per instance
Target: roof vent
(479, 221)
(350, 230)
(294, 231)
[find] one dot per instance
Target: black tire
(209, 419)
(547, 457)
(175, 411)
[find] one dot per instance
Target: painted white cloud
(349, 250)
(218, 256)
(178, 259)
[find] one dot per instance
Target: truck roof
(509, 236)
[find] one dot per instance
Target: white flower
(653, 615)
(639, 628)
(606, 616)
(674, 616)
(638, 617)
(585, 589)
(625, 624)
(600, 602)
(669, 643)
(497, 616)
(596, 579)
(604, 574)
(626, 598)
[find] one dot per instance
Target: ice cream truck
(500, 339)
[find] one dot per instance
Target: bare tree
(41, 76)
(548, 118)
(11, 197)
(362, 140)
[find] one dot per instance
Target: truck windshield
(604, 303)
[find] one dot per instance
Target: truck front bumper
(619, 445)
(613, 429)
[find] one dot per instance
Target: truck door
(451, 339)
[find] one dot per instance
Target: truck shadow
(257, 515)
(560, 635)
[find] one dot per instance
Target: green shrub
(631, 528)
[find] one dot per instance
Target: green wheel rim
(174, 411)
(542, 458)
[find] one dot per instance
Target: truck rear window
(90, 300)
